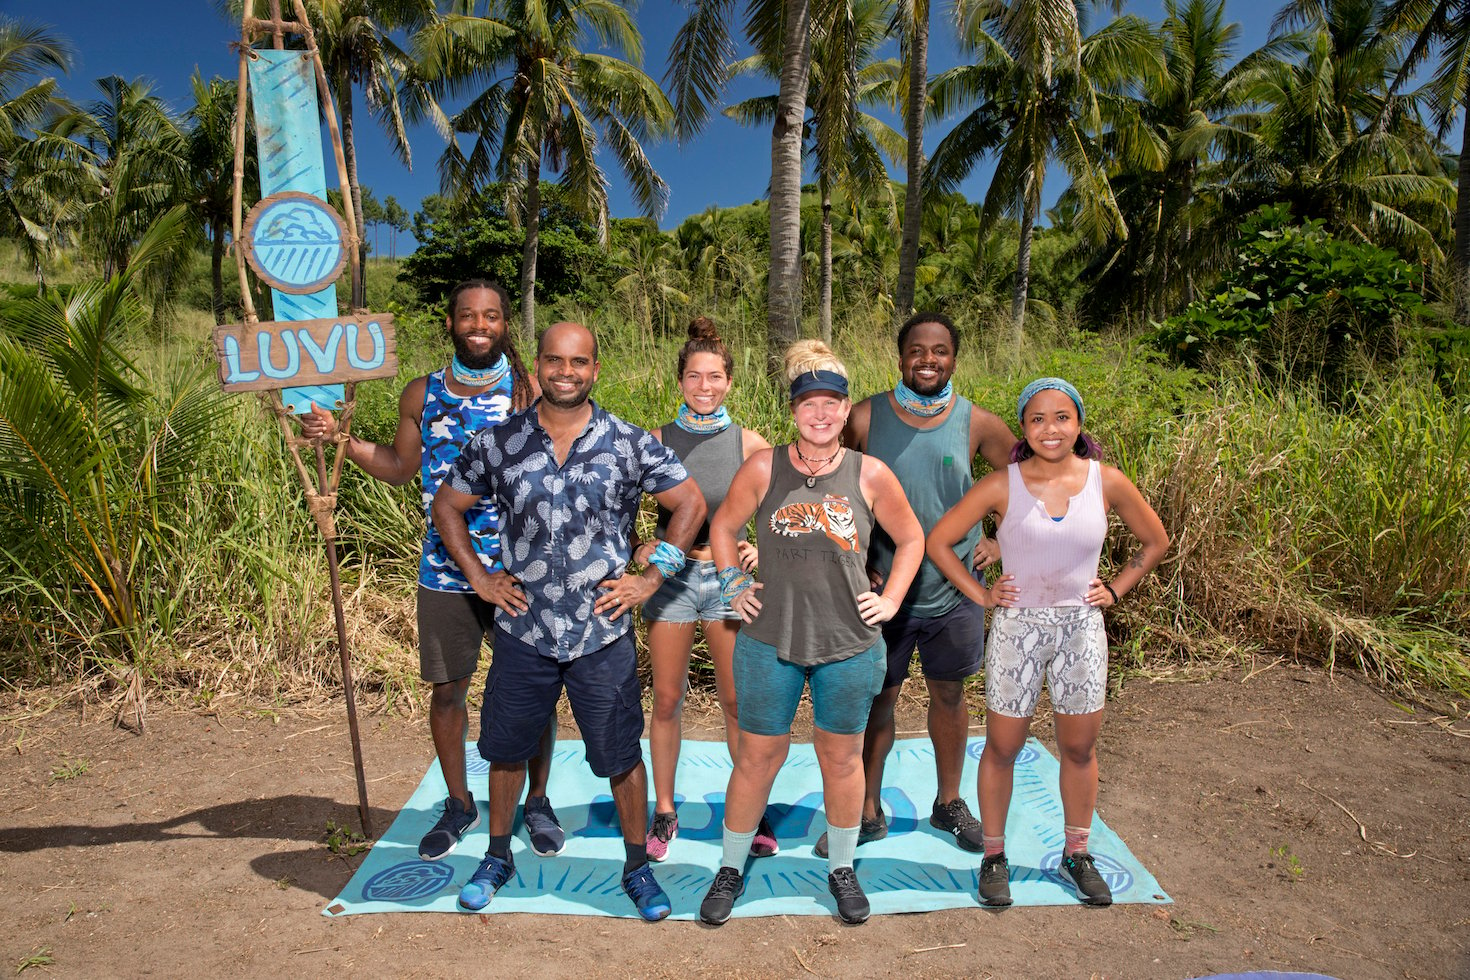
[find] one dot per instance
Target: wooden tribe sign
(287, 354)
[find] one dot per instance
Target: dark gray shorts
(950, 647)
(452, 628)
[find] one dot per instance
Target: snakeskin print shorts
(1066, 644)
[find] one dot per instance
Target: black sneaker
(542, 827)
(456, 821)
(955, 818)
(995, 881)
(868, 831)
(1081, 870)
(852, 904)
(719, 901)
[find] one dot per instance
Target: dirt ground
(1300, 822)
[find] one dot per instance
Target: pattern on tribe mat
(916, 868)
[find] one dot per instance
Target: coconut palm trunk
(358, 300)
(908, 249)
(532, 224)
(1462, 227)
(783, 293)
(825, 313)
(1023, 275)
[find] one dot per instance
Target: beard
(573, 400)
(478, 361)
(929, 390)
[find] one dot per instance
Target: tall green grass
(1299, 529)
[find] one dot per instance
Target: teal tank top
(933, 467)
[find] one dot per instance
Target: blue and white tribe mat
(916, 868)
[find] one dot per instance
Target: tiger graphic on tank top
(832, 515)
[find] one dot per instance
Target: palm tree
(651, 279)
(1165, 166)
(94, 456)
(40, 170)
(846, 144)
(699, 67)
(719, 252)
(141, 165)
(1446, 24)
(355, 40)
(211, 154)
(1037, 83)
(1324, 137)
(540, 99)
(912, 18)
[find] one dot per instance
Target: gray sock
(841, 846)
(737, 848)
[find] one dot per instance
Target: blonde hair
(806, 356)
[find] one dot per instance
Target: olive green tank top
(813, 545)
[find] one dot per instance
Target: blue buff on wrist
(733, 582)
(667, 559)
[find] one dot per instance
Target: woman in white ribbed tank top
(1051, 506)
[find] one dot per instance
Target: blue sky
(726, 165)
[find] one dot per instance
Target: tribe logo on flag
(295, 242)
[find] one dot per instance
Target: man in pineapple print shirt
(437, 414)
(568, 477)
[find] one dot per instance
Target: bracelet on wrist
(1111, 593)
(733, 582)
(667, 559)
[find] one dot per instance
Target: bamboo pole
(321, 493)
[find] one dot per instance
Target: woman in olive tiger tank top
(811, 619)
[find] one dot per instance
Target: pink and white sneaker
(764, 844)
(665, 828)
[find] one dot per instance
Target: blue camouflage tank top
(448, 423)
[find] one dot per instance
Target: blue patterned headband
(1049, 384)
(818, 381)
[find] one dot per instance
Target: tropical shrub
(1302, 297)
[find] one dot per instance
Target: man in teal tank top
(928, 435)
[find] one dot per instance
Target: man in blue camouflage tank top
(438, 414)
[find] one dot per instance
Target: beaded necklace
(480, 377)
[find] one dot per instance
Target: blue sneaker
(488, 879)
(651, 901)
(547, 837)
(456, 821)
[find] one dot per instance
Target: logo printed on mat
(407, 881)
(1119, 878)
(1027, 756)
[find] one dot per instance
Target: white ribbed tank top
(1052, 560)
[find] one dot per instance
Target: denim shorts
(692, 596)
(950, 646)
(768, 689)
(522, 688)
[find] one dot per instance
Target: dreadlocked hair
(521, 394)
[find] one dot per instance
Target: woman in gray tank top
(812, 619)
(711, 448)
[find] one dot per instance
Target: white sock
(841, 846)
(737, 848)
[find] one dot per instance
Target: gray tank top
(711, 461)
(813, 558)
(933, 467)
